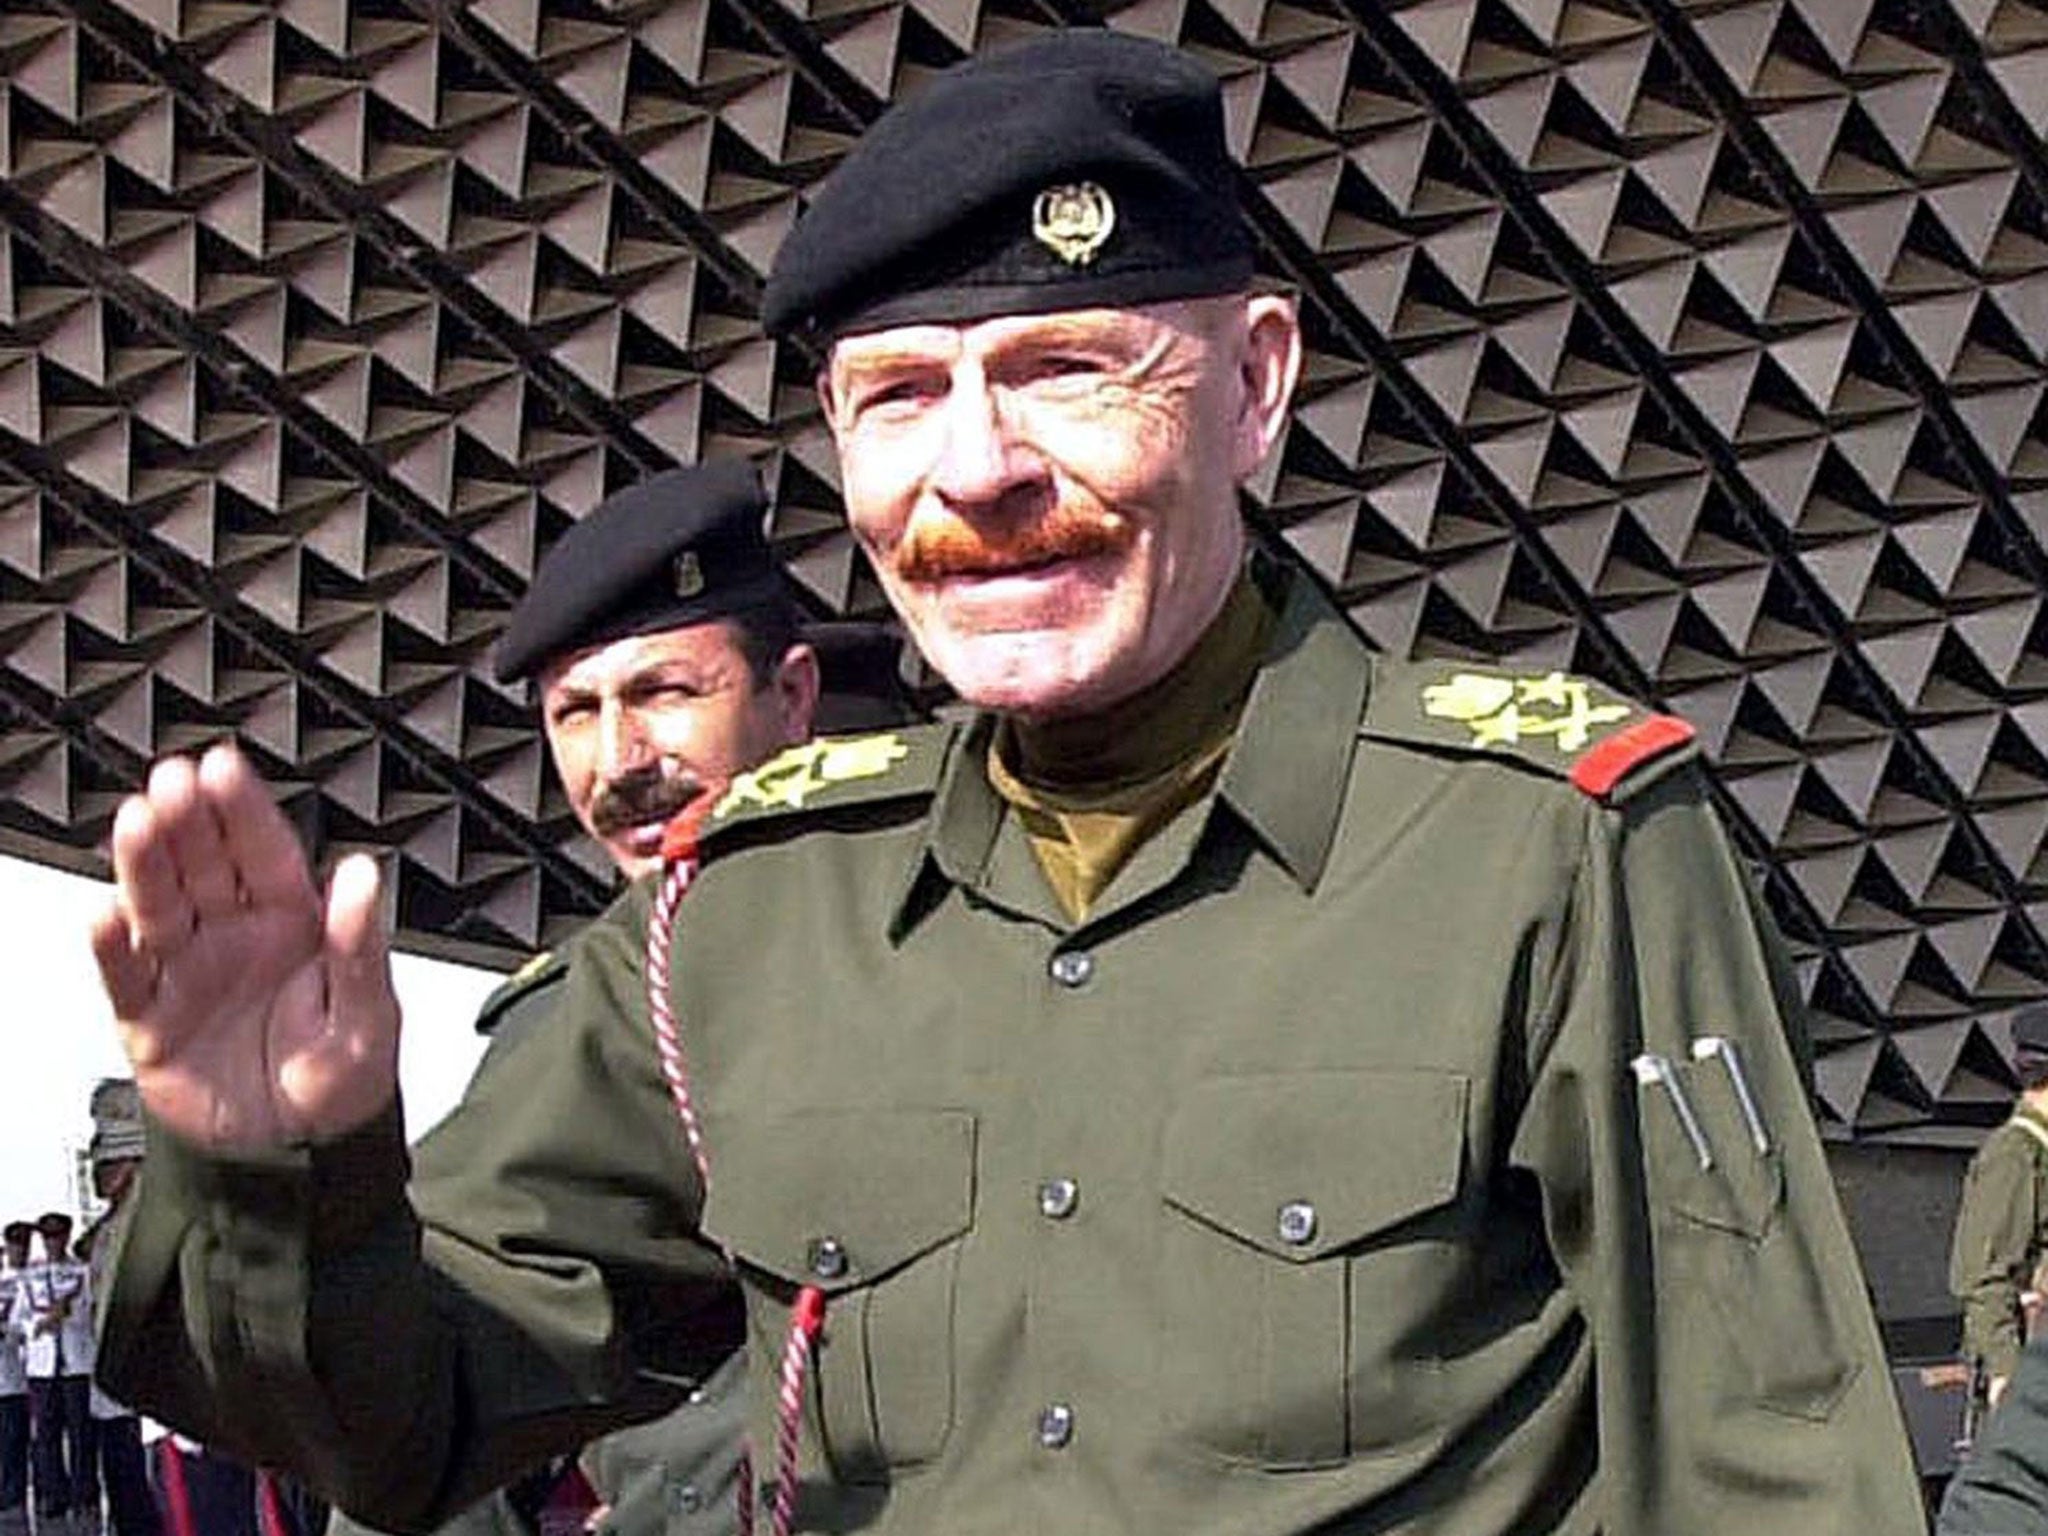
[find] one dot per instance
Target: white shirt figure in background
(14, 1418)
(53, 1310)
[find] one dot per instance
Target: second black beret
(684, 547)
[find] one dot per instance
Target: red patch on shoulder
(680, 837)
(1607, 764)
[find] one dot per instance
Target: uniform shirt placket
(1087, 1063)
(1027, 1144)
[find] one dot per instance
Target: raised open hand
(254, 1011)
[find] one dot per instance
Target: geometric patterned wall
(1699, 345)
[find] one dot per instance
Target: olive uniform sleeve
(296, 1310)
(1991, 1257)
(1741, 1385)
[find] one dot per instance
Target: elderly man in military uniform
(1228, 1082)
(2001, 1228)
(666, 655)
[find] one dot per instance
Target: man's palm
(255, 1013)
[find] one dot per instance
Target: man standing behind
(664, 652)
(14, 1416)
(2002, 1222)
(665, 655)
(54, 1308)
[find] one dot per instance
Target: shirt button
(1055, 1426)
(1057, 1198)
(828, 1258)
(1297, 1223)
(1072, 967)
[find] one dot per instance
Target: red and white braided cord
(807, 1316)
(668, 1040)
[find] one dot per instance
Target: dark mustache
(644, 795)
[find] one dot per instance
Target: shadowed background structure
(1700, 346)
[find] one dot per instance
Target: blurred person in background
(2002, 1222)
(53, 1308)
(14, 1417)
(116, 1154)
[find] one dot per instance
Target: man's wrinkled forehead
(1133, 328)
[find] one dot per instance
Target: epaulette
(834, 773)
(542, 970)
(623, 921)
(1607, 745)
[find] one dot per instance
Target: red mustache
(935, 550)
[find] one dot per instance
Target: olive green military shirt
(1999, 1238)
(1310, 1184)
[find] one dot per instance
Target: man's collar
(961, 829)
(1284, 777)
(968, 811)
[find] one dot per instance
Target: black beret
(1079, 169)
(2030, 1029)
(53, 1221)
(18, 1231)
(685, 547)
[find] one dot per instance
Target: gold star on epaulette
(794, 776)
(1508, 711)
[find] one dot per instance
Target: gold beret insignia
(1073, 221)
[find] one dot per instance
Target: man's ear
(827, 401)
(797, 685)
(1269, 367)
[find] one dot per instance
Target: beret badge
(1073, 221)
(689, 574)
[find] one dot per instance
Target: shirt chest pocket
(1310, 1238)
(870, 1207)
